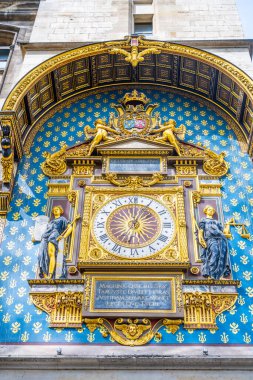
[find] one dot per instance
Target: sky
(246, 12)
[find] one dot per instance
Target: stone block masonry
(92, 21)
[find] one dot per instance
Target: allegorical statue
(57, 229)
(100, 133)
(169, 132)
(215, 254)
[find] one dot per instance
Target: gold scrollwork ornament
(134, 57)
(196, 197)
(95, 254)
(55, 163)
(215, 164)
(72, 197)
(129, 332)
(7, 165)
(134, 181)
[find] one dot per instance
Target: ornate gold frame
(132, 278)
(163, 164)
(93, 255)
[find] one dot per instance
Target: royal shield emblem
(134, 114)
(135, 123)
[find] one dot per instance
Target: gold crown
(135, 97)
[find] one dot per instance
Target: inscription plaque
(121, 165)
(136, 295)
(133, 295)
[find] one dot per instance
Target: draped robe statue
(215, 254)
(57, 229)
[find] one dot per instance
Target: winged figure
(169, 133)
(132, 331)
(134, 57)
(100, 133)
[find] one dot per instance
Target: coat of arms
(134, 115)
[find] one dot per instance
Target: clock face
(133, 227)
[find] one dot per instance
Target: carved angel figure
(55, 163)
(216, 165)
(134, 57)
(169, 132)
(132, 331)
(100, 131)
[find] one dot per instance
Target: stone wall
(124, 363)
(198, 19)
(89, 20)
(81, 20)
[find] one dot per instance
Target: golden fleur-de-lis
(134, 57)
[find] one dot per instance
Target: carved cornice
(242, 79)
(210, 281)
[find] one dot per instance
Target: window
(142, 17)
(145, 28)
(4, 54)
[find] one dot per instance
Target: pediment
(136, 144)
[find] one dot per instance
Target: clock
(133, 227)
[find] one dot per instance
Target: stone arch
(77, 72)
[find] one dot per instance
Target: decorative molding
(132, 332)
(201, 309)
(58, 189)
(133, 182)
(64, 308)
(185, 168)
(4, 202)
(7, 165)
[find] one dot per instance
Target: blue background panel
(20, 321)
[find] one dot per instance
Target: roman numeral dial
(133, 227)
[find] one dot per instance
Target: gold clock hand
(141, 212)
